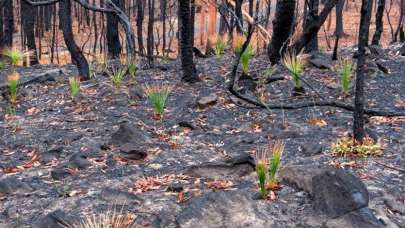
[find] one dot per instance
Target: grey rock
(361, 218)
(56, 219)
(206, 101)
(133, 151)
(301, 175)
(60, 173)
(175, 187)
(312, 148)
(118, 197)
(13, 186)
(127, 133)
(136, 93)
(337, 192)
(79, 161)
(222, 209)
(321, 62)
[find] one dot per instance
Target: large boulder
(356, 219)
(301, 175)
(222, 209)
(337, 192)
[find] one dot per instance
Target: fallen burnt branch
(40, 78)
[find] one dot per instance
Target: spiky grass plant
(261, 171)
(110, 219)
(275, 163)
(74, 84)
(117, 75)
(295, 66)
(345, 69)
(245, 57)
(15, 57)
(347, 147)
(12, 81)
(132, 66)
(219, 48)
(157, 95)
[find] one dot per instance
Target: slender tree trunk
(65, 21)
(312, 13)
(150, 38)
(339, 18)
(239, 15)
(186, 37)
(379, 25)
(359, 100)
(268, 12)
(139, 23)
(163, 19)
(282, 26)
(28, 22)
(113, 38)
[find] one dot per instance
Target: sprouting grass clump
(132, 67)
(219, 48)
(347, 147)
(74, 84)
(12, 81)
(295, 66)
(15, 57)
(267, 167)
(2, 65)
(111, 219)
(245, 57)
(117, 75)
(261, 172)
(157, 95)
(345, 69)
(275, 162)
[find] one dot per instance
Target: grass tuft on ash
(74, 84)
(12, 81)
(157, 95)
(295, 66)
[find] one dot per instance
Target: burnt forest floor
(56, 153)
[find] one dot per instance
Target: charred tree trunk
(28, 23)
(312, 13)
(186, 37)
(379, 25)
(339, 18)
(282, 26)
(359, 100)
(113, 38)
(65, 21)
(239, 15)
(139, 23)
(8, 23)
(150, 38)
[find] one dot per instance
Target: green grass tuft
(295, 66)
(219, 48)
(345, 69)
(12, 81)
(158, 95)
(74, 84)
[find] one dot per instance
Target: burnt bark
(282, 27)
(113, 38)
(28, 22)
(139, 23)
(8, 24)
(239, 15)
(359, 99)
(339, 18)
(186, 37)
(65, 21)
(150, 38)
(379, 25)
(312, 13)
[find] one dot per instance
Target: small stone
(79, 161)
(321, 62)
(127, 133)
(119, 197)
(312, 148)
(60, 173)
(136, 93)
(206, 101)
(300, 175)
(133, 152)
(175, 187)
